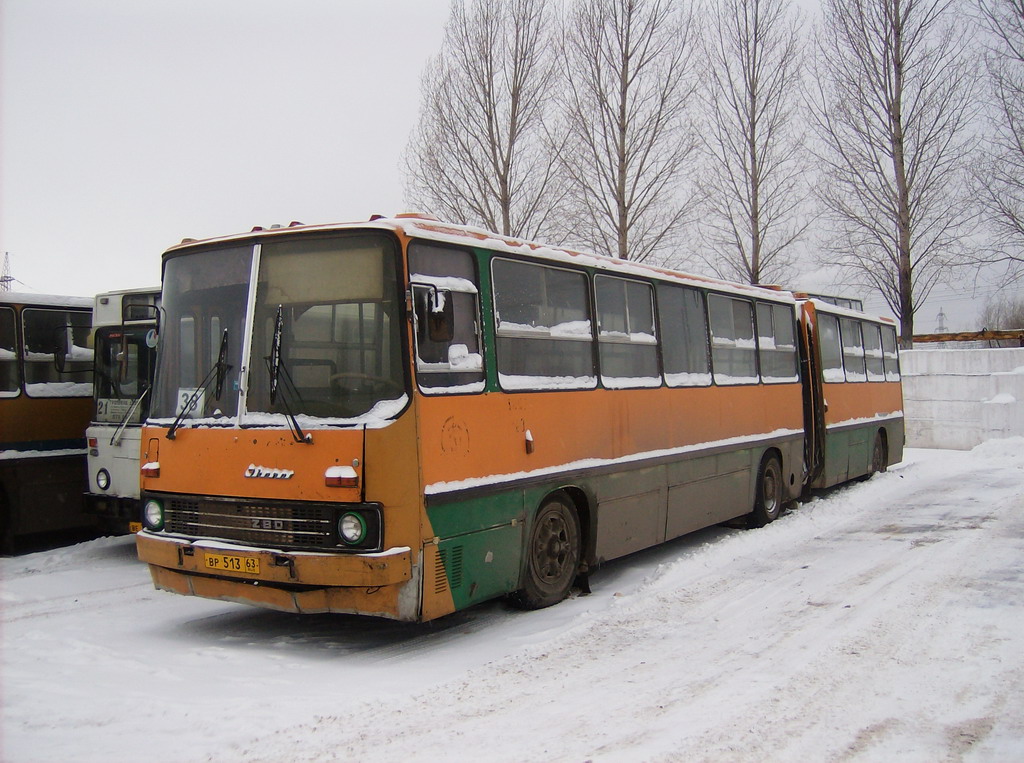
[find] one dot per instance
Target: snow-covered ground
(884, 621)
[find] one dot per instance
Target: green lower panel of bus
(482, 565)
(481, 538)
(480, 545)
(848, 451)
(847, 454)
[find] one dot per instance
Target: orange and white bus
(404, 417)
(45, 395)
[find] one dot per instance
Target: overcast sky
(127, 125)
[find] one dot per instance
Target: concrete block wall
(959, 398)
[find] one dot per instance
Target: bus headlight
(103, 479)
(153, 515)
(352, 528)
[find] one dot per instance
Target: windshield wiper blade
(274, 360)
(220, 370)
(274, 366)
(222, 366)
(116, 437)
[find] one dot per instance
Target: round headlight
(102, 479)
(352, 528)
(153, 515)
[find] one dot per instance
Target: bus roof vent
(416, 216)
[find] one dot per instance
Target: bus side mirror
(435, 313)
(441, 317)
(61, 348)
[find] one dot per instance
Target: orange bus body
(43, 414)
(467, 481)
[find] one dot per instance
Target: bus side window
(48, 332)
(732, 340)
(627, 344)
(446, 314)
(543, 326)
(873, 352)
(831, 349)
(684, 336)
(776, 343)
(890, 354)
(8, 354)
(853, 350)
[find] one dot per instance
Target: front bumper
(297, 581)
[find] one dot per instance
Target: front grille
(278, 524)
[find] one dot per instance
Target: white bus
(124, 340)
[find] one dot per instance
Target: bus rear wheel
(768, 496)
(552, 555)
(879, 458)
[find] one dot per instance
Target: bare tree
(479, 154)
(1001, 176)
(893, 101)
(756, 185)
(1004, 311)
(630, 69)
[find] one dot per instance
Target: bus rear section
(124, 345)
(45, 385)
(853, 392)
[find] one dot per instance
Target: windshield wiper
(116, 437)
(220, 371)
(275, 365)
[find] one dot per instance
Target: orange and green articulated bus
(404, 417)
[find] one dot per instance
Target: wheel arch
(759, 516)
(583, 502)
(532, 593)
(777, 452)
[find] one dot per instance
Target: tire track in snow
(810, 639)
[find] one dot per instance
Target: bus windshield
(323, 336)
(124, 366)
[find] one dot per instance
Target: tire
(768, 496)
(7, 545)
(879, 456)
(552, 554)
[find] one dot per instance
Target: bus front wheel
(552, 555)
(768, 495)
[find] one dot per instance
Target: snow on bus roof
(44, 300)
(423, 227)
(452, 233)
(129, 292)
(845, 312)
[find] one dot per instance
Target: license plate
(227, 563)
(134, 527)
